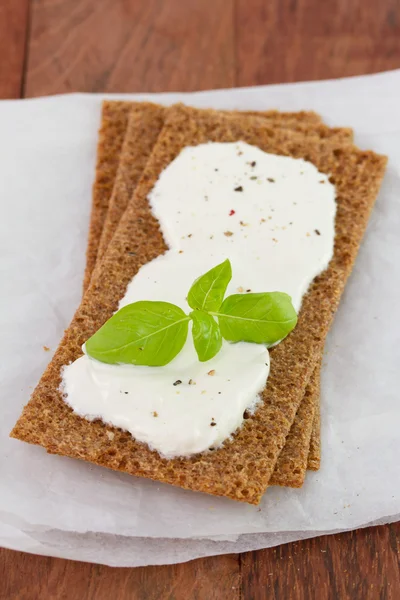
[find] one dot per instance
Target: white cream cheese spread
(273, 217)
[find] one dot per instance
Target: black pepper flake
(253, 177)
(190, 235)
(317, 231)
(239, 188)
(132, 253)
(270, 180)
(212, 424)
(248, 291)
(216, 169)
(177, 382)
(219, 392)
(253, 164)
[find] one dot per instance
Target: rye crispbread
(142, 129)
(144, 125)
(314, 454)
(114, 121)
(242, 468)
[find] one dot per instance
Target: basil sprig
(153, 333)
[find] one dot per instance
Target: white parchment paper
(58, 506)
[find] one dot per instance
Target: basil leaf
(208, 291)
(142, 333)
(259, 318)
(207, 337)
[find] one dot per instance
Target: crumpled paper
(61, 507)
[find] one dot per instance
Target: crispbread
(300, 451)
(142, 129)
(314, 455)
(144, 125)
(242, 467)
(114, 120)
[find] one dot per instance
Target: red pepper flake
(239, 188)
(228, 233)
(317, 231)
(232, 212)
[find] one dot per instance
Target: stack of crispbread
(281, 440)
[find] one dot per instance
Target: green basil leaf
(260, 318)
(208, 291)
(142, 333)
(207, 337)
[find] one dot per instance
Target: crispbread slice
(301, 447)
(144, 125)
(314, 455)
(242, 467)
(114, 121)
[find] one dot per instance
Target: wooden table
(53, 46)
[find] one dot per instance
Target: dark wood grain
(130, 46)
(13, 38)
(161, 45)
(27, 577)
(359, 565)
(297, 40)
